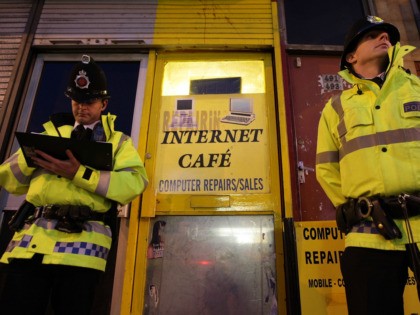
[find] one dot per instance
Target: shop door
(209, 235)
(313, 79)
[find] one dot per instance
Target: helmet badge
(374, 19)
(82, 81)
(85, 59)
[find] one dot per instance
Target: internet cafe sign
(211, 144)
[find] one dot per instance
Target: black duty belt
(381, 210)
(78, 213)
(70, 218)
(392, 205)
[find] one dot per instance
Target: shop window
(415, 4)
(322, 22)
(211, 265)
(225, 77)
(122, 84)
(216, 86)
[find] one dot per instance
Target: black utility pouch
(68, 225)
(72, 218)
(80, 213)
(347, 216)
(341, 219)
(384, 223)
(17, 222)
(392, 206)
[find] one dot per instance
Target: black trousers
(30, 287)
(374, 280)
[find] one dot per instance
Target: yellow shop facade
(206, 89)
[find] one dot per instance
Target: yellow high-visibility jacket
(94, 188)
(369, 143)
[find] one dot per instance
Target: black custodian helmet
(360, 28)
(87, 81)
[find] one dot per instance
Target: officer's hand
(64, 168)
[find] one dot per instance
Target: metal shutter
(180, 23)
(14, 15)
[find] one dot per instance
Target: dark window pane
(122, 85)
(216, 86)
(323, 22)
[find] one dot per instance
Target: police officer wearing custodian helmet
(60, 247)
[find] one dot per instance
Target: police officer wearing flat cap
(60, 247)
(367, 162)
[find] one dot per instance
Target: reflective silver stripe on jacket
(380, 138)
(363, 142)
(327, 157)
(105, 176)
(338, 108)
(103, 184)
(16, 171)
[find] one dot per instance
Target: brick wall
(400, 14)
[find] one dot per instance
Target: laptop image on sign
(241, 112)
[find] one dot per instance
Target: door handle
(302, 171)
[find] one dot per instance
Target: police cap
(87, 81)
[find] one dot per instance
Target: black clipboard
(97, 155)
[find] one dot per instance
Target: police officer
(59, 251)
(368, 151)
